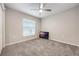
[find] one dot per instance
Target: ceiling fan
(41, 8)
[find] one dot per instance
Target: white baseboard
(65, 42)
(20, 41)
(36, 38)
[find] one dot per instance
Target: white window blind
(28, 27)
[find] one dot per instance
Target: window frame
(23, 27)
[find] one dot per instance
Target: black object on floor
(44, 35)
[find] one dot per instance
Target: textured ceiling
(28, 8)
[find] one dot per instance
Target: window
(28, 27)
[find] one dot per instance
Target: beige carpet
(40, 47)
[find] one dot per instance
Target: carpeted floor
(40, 47)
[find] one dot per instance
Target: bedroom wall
(0, 29)
(14, 26)
(63, 26)
(2, 26)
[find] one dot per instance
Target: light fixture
(40, 11)
(41, 7)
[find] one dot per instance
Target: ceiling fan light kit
(40, 11)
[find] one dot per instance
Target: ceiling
(28, 8)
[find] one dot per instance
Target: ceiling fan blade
(35, 9)
(49, 10)
(41, 6)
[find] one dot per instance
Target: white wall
(14, 26)
(3, 26)
(0, 29)
(63, 27)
